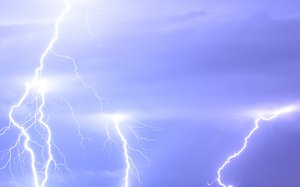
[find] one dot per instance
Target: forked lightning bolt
(38, 90)
(35, 92)
(266, 116)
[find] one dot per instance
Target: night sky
(193, 74)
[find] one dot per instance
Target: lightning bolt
(34, 130)
(119, 124)
(266, 116)
(117, 120)
(37, 88)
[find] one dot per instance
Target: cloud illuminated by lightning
(264, 116)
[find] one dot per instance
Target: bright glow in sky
(148, 93)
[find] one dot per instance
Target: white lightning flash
(264, 116)
(35, 136)
(118, 119)
(37, 88)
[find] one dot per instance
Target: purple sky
(191, 67)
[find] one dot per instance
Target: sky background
(196, 71)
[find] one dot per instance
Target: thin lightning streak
(265, 117)
(34, 87)
(77, 123)
(93, 90)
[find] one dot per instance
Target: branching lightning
(35, 135)
(39, 169)
(266, 116)
(117, 120)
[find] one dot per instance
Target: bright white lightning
(118, 119)
(265, 116)
(119, 122)
(38, 88)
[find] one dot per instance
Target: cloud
(16, 12)
(103, 173)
